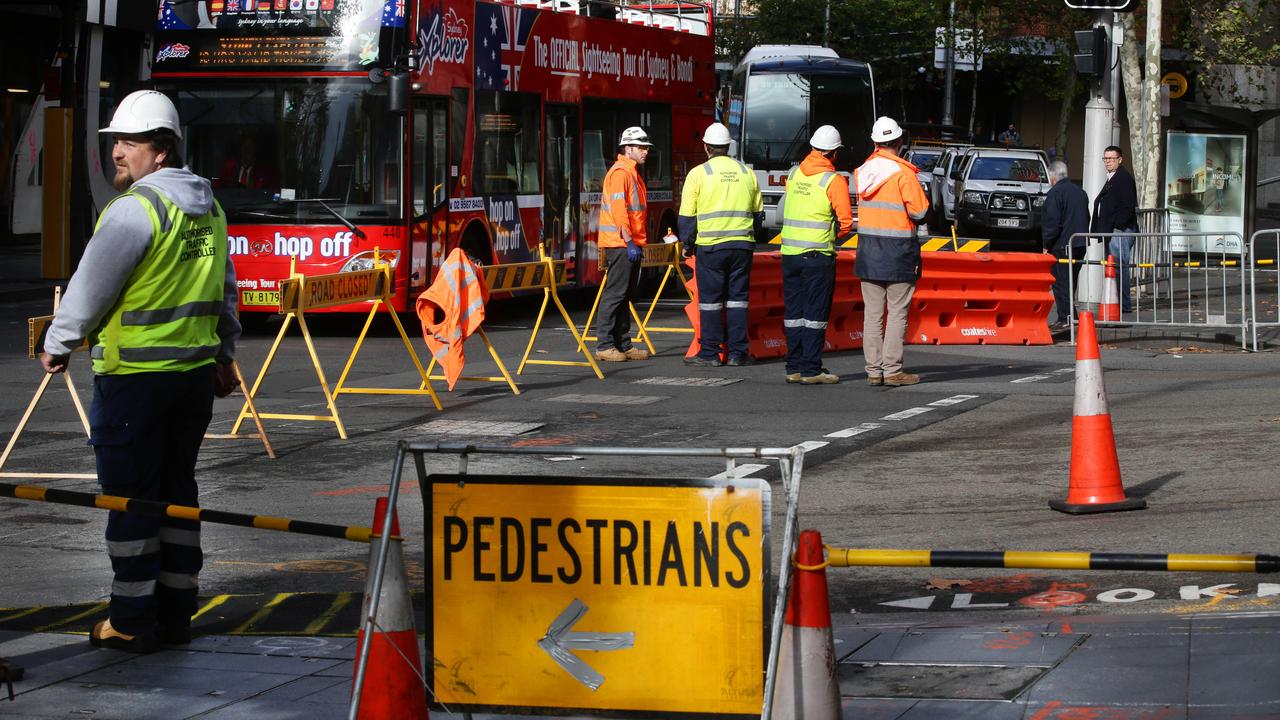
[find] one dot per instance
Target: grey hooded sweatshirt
(115, 250)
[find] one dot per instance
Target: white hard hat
(144, 111)
(825, 138)
(635, 136)
(716, 134)
(885, 130)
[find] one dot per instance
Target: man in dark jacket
(1115, 210)
(1066, 213)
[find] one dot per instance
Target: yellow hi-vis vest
(727, 201)
(166, 318)
(808, 220)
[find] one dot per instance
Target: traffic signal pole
(1099, 118)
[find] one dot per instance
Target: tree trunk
(1150, 190)
(1134, 100)
(1069, 80)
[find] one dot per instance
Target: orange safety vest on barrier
(451, 310)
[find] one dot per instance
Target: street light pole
(826, 26)
(948, 90)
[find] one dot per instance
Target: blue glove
(634, 253)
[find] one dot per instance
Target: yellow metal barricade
(299, 293)
(547, 274)
(36, 327)
(656, 255)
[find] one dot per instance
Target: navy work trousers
(724, 282)
(146, 430)
(808, 283)
(613, 317)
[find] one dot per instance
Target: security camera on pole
(1094, 59)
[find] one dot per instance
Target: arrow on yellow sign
(559, 641)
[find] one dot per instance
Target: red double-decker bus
(497, 143)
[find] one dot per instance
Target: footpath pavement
(1130, 667)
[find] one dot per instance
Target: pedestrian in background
(816, 212)
(1065, 214)
(1115, 210)
(720, 207)
(155, 294)
(890, 205)
(622, 237)
(1010, 137)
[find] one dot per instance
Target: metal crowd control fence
(790, 464)
(1205, 287)
(1157, 252)
(1264, 282)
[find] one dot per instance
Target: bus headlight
(368, 260)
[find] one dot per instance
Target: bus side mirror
(398, 92)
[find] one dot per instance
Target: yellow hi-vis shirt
(724, 196)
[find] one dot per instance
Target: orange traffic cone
(1095, 467)
(806, 687)
(393, 685)
(1109, 311)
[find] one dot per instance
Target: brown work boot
(900, 379)
(822, 378)
(611, 355)
(875, 379)
(635, 353)
(105, 636)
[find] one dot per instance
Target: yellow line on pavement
(264, 611)
(214, 602)
(21, 613)
(97, 607)
(340, 601)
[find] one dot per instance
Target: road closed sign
(573, 595)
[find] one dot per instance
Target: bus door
(430, 158)
(560, 206)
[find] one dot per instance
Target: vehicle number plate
(1007, 222)
(260, 298)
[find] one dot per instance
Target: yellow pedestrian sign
(569, 594)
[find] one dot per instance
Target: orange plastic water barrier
(961, 299)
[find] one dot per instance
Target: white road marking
(908, 413)
(850, 432)
(739, 471)
(953, 400)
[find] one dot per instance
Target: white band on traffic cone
(1091, 396)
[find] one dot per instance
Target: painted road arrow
(560, 640)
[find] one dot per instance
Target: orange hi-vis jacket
(890, 200)
(451, 310)
(623, 203)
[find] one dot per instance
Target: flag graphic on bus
(501, 34)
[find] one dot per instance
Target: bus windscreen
(783, 109)
(268, 148)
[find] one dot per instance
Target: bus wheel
(475, 242)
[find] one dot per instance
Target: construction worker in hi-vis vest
(720, 209)
(890, 205)
(816, 213)
(155, 294)
(622, 235)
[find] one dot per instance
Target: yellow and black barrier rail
(1023, 559)
(937, 243)
(150, 507)
(1266, 262)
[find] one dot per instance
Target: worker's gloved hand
(634, 253)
